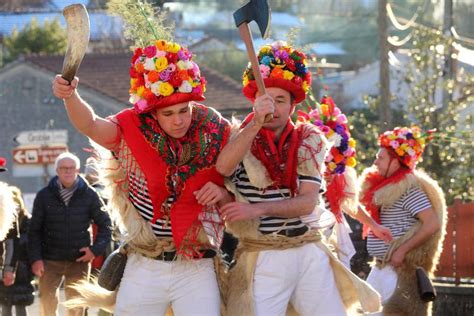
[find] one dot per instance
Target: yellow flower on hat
(161, 64)
(400, 151)
(166, 89)
(332, 166)
(352, 142)
(288, 75)
(140, 91)
(404, 146)
(305, 86)
(173, 47)
(351, 162)
(266, 49)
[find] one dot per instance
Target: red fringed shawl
(335, 193)
(177, 167)
(374, 182)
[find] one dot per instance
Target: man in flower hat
(275, 170)
(340, 181)
(412, 206)
(162, 180)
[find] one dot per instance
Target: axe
(78, 30)
(258, 11)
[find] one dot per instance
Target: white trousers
(149, 286)
(301, 276)
(383, 281)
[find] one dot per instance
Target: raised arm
(379, 231)
(233, 153)
(82, 116)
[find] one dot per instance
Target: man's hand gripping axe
(258, 11)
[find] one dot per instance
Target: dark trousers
(20, 310)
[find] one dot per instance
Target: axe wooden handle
(246, 36)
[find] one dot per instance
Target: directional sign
(42, 137)
(27, 155)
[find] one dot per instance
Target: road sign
(42, 137)
(36, 154)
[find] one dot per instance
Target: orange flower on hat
(153, 76)
(276, 73)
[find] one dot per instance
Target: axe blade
(255, 10)
(78, 33)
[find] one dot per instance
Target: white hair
(67, 155)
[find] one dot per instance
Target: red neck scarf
(279, 156)
(375, 182)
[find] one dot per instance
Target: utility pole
(449, 64)
(385, 116)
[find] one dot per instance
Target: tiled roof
(109, 75)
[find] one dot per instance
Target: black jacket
(22, 291)
(57, 231)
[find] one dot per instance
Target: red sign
(28, 155)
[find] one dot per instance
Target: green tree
(34, 38)
(449, 157)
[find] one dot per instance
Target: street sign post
(42, 137)
(37, 154)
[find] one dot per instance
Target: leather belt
(295, 232)
(171, 255)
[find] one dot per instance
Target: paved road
(33, 310)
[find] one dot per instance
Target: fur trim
(92, 295)
(309, 162)
(114, 178)
(7, 210)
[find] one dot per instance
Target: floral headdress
(406, 144)
(164, 74)
(330, 120)
(281, 66)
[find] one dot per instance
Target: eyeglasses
(64, 169)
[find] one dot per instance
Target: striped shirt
(269, 224)
(140, 199)
(399, 218)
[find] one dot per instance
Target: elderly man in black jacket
(59, 237)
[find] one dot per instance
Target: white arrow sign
(42, 137)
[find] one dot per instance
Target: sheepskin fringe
(7, 210)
